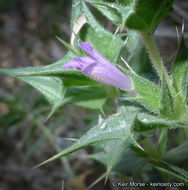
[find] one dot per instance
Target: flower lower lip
(97, 67)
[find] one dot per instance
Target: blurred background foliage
(28, 31)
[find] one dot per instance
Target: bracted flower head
(97, 67)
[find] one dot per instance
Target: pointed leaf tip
(45, 162)
(107, 175)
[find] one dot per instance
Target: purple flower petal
(86, 46)
(104, 75)
(72, 64)
(84, 60)
(97, 67)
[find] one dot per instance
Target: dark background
(28, 30)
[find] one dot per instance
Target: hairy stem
(156, 59)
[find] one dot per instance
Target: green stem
(156, 59)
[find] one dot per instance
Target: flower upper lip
(97, 67)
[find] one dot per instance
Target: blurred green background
(28, 30)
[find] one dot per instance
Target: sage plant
(151, 100)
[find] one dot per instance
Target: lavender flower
(97, 67)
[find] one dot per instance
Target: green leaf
(148, 92)
(162, 142)
(185, 85)
(166, 101)
(51, 87)
(119, 158)
(175, 173)
(180, 65)
(101, 39)
(104, 43)
(166, 168)
(146, 122)
(89, 97)
(92, 21)
(112, 153)
(180, 109)
(116, 127)
(99, 156)
(70, 77)
(135, 54)
(59, 86)
(115, 12)
(51, 80)
(92, 97)
(147, 14)
(110, 13)
(69, 47)
(180, 70)
(129, 164)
